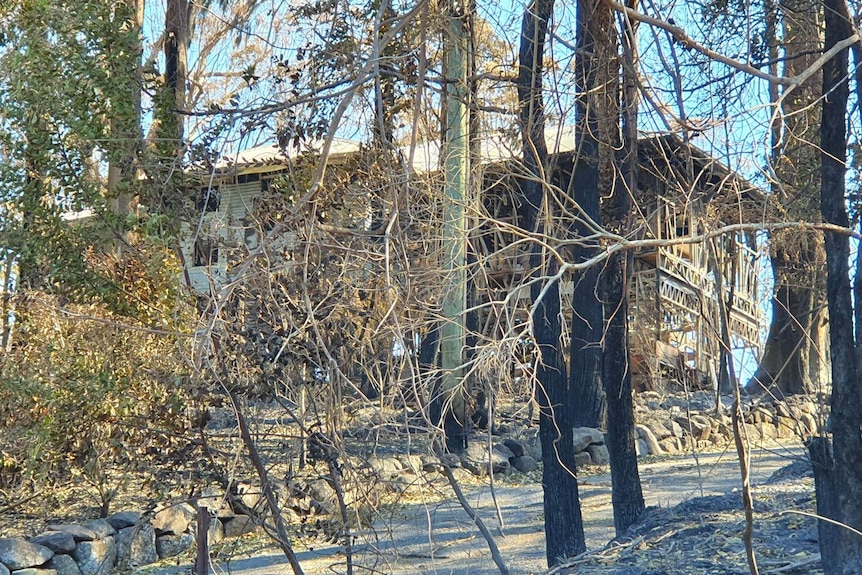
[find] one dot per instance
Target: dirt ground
(692, 526)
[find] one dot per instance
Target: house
(674, 282)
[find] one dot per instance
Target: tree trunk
(564, 530)
(838, 472)
(790, 355)
(457, 167)
(627, 495)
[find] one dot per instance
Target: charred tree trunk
(838, 468)
(594, 35)
(792, 359)
(627, 495)
(564, 531)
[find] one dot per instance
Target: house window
(206, 252)
(208, 200)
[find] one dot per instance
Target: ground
(692, 527)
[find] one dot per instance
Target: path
(441, 539)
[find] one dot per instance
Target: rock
(477, 459)
(782, 410)
(584, 436)
(124, 519)
(450, 460)
(173, 545)
(100, 527)
(786, 426)
(215, 500)
(582, 459)
(676, 430)
(599, 454)
(411, 463)
(646, 434)
(96, 557)
(810, 424)
(461, 475)
(321, 490)
(78, 532)
(174, 519)
(659, 430)
(641, 448)
(17, 553)
(250, 494)
(503, 451)
(239, 525)
(63, 565)
(34, 571)
(386, 467)
(136, 546)
(4, 570)
(56, 541)
(517, 447)
(670, 444)
(525, 463)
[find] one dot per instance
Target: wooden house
(674, 282)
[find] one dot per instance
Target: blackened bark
(585, 357)
(564, 531)
(838, 479)
(627, 496)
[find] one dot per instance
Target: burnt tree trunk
(838, 468)
(627, 494)
(564, 531)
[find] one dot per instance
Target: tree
(794, 358)
(564, 534)
(616, 362)
(838, 463)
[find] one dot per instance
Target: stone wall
(121, 542)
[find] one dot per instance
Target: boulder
(214, 499)
(35, 571)
(810, 424)
(517, 447)
(585, 436)
(641, 448)
(100, 527)
(479, 462)
(173, 545)
(582, 459)
(599, 454)
(78, 532)
(386, 467)
(63, 565)
(96, 557)
(4, 570)
(450, 460)
(411, 463)
(17, 553)
(238, 525)
(125, 519)
(670, 444)
(525, 463)
(646, 434)
(136, 546)
(503, 451)
(251, 495)
(658, 429)
(174, 519)
(56, 541)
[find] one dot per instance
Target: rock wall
(121, 542)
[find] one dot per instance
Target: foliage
(84, 386)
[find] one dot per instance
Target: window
(206, 252)
(208, 200)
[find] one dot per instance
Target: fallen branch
(495, 551)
